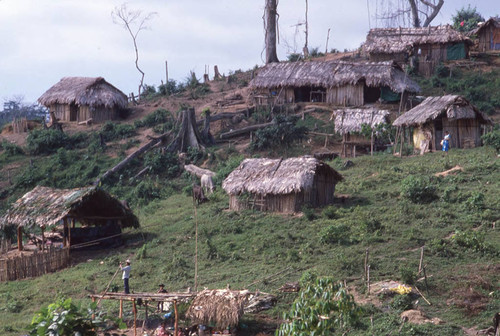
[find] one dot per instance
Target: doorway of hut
(309, 94)
(73, 112)
(438, 131)
(371, 94)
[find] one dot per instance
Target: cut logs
(188, 135)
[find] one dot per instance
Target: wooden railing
(33, 264)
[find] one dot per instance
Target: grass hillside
(389, 205)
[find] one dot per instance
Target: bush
(330, 212)
(473, 240)
(111, 131)
(408, 275)
(45, 141)
(282, 133)
(492, 139)
(418, 189)
(335, 234)
(159, 116)
(165, 164)
(11, 149)
(401, 302)
(309, 212)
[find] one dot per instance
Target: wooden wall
(489, 38)
(381, 57)
(465, 133)
(66, 112)
(348, 95)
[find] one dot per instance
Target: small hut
(98, 214)
(333, 82)
(451, 113)
(220, 307)
(431, 45)
(488, 35)
(83, 99)
(281, 185)
(349, 122)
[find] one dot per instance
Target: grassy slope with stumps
(243, 249)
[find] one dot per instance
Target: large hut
(451, 113)
(85, 214)
(431, 45)
(220, 307)
(488, 35)
(334, 82)
(84, 98)
(349, 123)
(281, 185)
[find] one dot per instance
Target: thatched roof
(47, 206)
(89, 91)
(493, 21)
(350, 120)
(403, 40)
(223, 307)
(333, 74)
(276, 176)
(455, 107)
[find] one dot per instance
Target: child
(446, 142)
(160, 303)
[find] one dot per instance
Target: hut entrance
(371, 94)
(73, 112)
(310, 94)
(438, 131)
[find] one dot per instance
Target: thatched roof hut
(451, 113)
(488, 35)
(431, 44)
(351, 120)
(47, 207)
(281, 185)
(223, 307)
(335, 82)
(83, 98)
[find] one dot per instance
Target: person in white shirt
(126, 275)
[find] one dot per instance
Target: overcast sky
(42, 41)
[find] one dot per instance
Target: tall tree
(270, 28)
(466, 19)
(132, 21)
(419, 13)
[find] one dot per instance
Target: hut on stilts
(281, 185)
(79, 99)
(339, 83)
(451, 113)
(85, 215)
(349, 123)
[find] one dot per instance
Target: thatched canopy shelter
(47, 207)
(488, 35)
(335, 82)
(451, 113)
(281, 185)
(351, 120)
(83, 98)
(223, 307)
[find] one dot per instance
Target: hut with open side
(85, 215)
(431, 45)
(488, 35)
(334, 82)
(451, 113)
(220, 307)
(281, 185)
(349, 123)
(84, 99)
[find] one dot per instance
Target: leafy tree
(492, 139)
(466, 19)
(283, 132)
(322, 308)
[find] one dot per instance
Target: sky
(42, 41)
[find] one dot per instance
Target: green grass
(243, 249)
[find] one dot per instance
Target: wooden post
(195, 250)
(43, 237)
(134, 308)
(65, 236)
(368, 276)
(69, 232)
(19, 238)
(176, 320)
(73, 222)
(166, 73)
(367, 253)
(421, 260)
(120, 314)
(145, 322)
(425, 281)
(371, 143)
(93, 312)
(354, 151)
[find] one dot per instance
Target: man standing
(126, 275)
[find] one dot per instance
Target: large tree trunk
(207, 136)
(188, 135)
(270, 15)
(415, 11)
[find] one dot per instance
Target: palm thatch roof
(333, 74)
(47, 206)
(403, 40)
(223, 307)
(276, 176)
(350, 120)
(493, 21)
(454, 107)
(91, 91)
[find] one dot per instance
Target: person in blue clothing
(446, 142)
(126, 275)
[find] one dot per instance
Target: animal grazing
(198, 194)
(207, 184)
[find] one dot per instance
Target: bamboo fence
(33, 265)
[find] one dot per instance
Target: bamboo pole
(176, 321)
(421, 260)
(120, 314)
(195, 248)
(368, 277)
(134, 308)
(109, 284)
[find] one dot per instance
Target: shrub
(11, 149)
(283, 132)
(475, 201)
(309, 212)
(111, 131)
(335, 234)
(473, 240)
(45, 141)
(371, 225)
(492, 139)
(330, 212)
(408, 275)
(418, 189)
(158, 117)
(401, 302)
(163, 163)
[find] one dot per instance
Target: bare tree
(412, 10)
(270, 28)
(133, 21)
